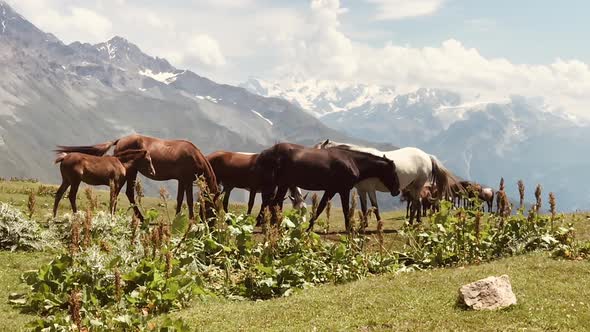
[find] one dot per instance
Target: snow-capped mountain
(482, 140)
(321, 97)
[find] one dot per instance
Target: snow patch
(112, 51)
(164, 77)
(209, 98)
(260, 115)
(3, 26)
(142, 89)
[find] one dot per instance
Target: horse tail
(442, 178)
(95, 150)
(60, 157)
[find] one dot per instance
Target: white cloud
(205, 50)
(327, 53)
(228, 44)
(400, 9)
(73, 23)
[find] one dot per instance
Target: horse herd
(331, 167)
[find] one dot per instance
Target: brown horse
(487, 195)
(236, 170)
(96, 171)
(173, 160)
(427, 201)
(333, 170)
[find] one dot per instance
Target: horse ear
(326, 142)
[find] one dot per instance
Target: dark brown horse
(173, 160)
(236, 170)
(333, 170)
(78, 167)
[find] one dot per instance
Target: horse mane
(346, 147)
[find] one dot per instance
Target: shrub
(17, 232)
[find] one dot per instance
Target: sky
(479, 48)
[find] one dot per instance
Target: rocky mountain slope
(52, 93)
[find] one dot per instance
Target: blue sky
(523, 31)
(484, 49)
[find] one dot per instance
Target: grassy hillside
(552, 294)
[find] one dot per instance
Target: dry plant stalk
(118, 286)
(380, 237)
(87, 226)
(521, 193)
(134, 228)
(31, 203)
(168, 264)
(361, 218)
(164, 197)
(352, 210)
(113, 196)
(328, 212)
(502, 184)
(553, 206)
(146, 243)
(477, 225)
(139, 193)
(91, 198)
(75, 236)
(74, 304)
(314, 205)
(538, 193)
(156, 238)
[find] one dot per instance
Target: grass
(12, 265)
(552, 294)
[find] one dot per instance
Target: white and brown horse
(414, 168)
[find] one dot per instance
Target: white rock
(488, 294)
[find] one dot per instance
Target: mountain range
(52, 93)
(481, 140)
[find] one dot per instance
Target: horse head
(390, 177)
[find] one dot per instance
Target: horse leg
(112, 199)
(188, 187)
(363, 199)
(130, 192)
(345, 201)
(120, 185)
(251, 198)
(373, 199)
(72, 196)
(226, 193)
(280, 196)
(321, 206)
(179, 196)
(416, 210)
(58, 196)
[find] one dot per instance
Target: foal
(78, 167)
